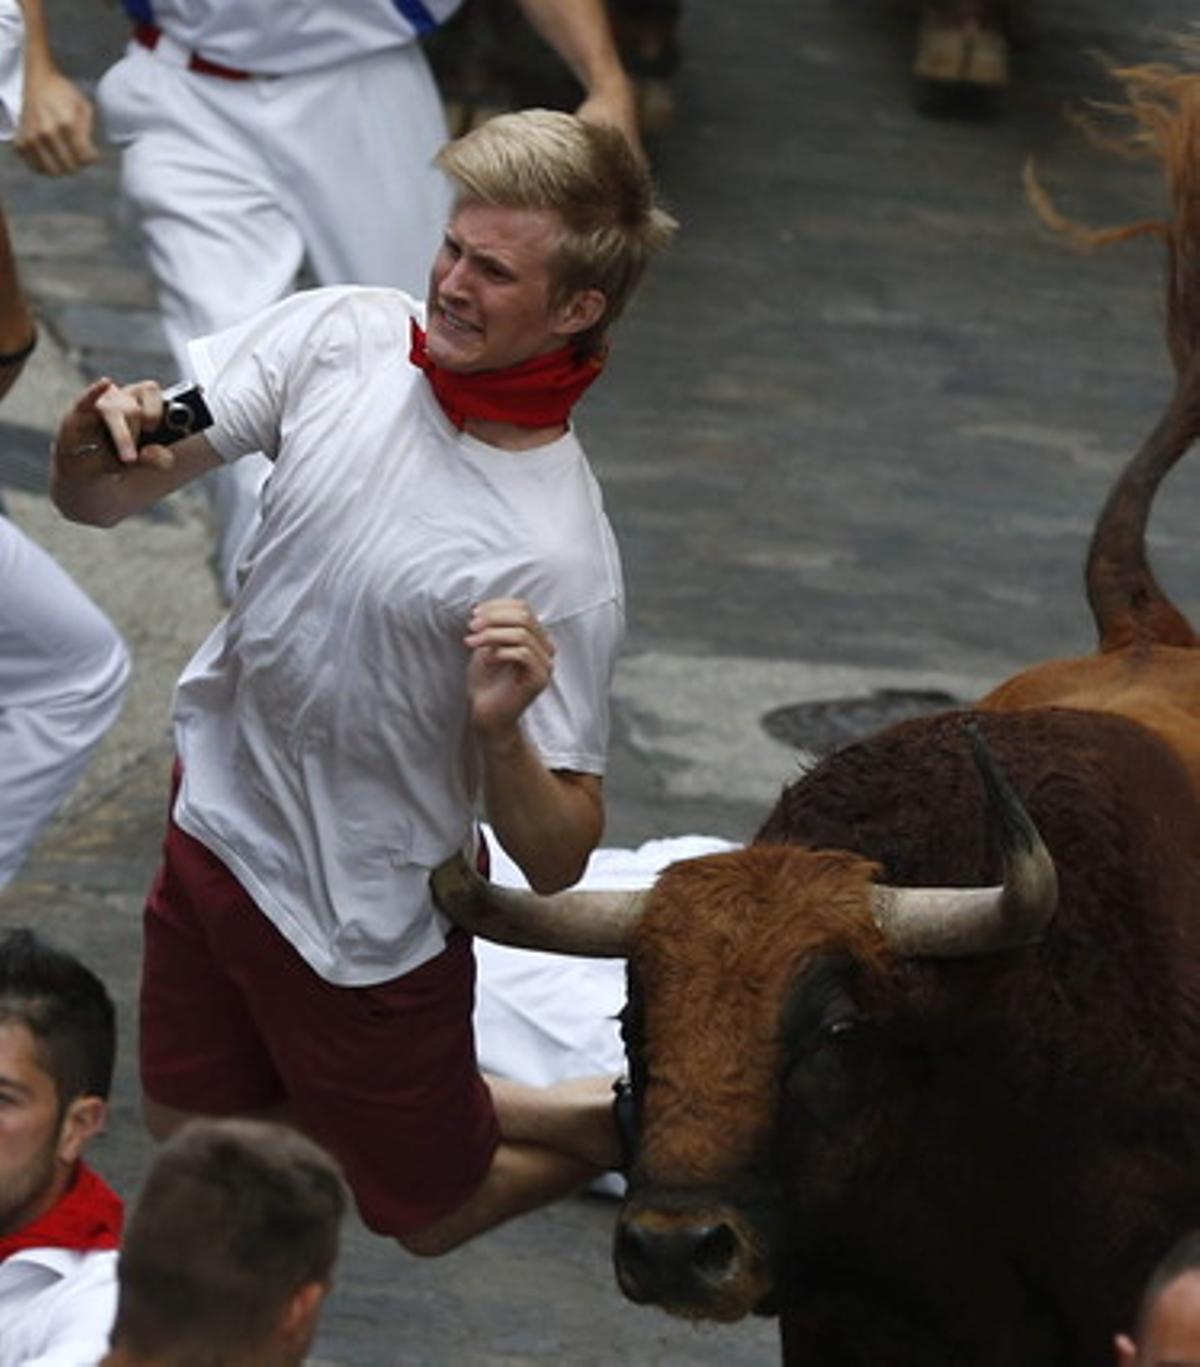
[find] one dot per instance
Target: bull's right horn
(961, 922)
(590, 924)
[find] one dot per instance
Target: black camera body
(184, 414)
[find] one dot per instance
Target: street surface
(854, 435)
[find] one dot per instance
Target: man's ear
(1126, 1351)
(83, 1120)
(583, 310)
(298, 1323)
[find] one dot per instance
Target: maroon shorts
(234, 1021)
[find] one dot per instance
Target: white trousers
(234, 184)
(63, 674)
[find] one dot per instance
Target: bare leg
(554, 1140)
(574, 1117)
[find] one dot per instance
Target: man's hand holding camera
(132, 424)
(115, 452)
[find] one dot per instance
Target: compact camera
(184, 413)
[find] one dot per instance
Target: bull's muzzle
(703, 1265)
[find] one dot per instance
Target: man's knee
(431, 1242)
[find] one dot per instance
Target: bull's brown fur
(1005, 1161)
(1029, 1145)
(709, 1106)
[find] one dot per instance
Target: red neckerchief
(537, 393)
(86, 1216)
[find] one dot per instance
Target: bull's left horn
(959, 922)
(593, 924)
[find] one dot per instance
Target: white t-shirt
(280, 37)
(56, 1307)
(323, 725)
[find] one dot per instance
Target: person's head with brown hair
(58, 1042)
(230, 1249)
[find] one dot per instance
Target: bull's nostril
(715, 1251)
(634, 1263)
(683, 1265)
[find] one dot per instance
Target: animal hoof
(987, 61)
(962, 54)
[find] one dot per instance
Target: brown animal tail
(1128, 605)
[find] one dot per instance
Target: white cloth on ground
(56, 1307)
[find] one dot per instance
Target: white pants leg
(63, 674)
(234, 183)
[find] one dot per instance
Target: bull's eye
(824, 1028)
(840, 1031)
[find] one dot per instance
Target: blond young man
(426, 624)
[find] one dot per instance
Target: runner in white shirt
(258, 135)
(59, 1222)
(425, 624)
(56, 1307)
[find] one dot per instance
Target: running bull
(919, 1069)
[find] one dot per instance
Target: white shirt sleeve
(254, 370)
(61, 1312)
(569, 721)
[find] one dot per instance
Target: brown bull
(919, 1069)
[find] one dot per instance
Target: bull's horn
(592, 924)
(959, 922)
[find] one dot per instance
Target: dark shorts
(234, 1021)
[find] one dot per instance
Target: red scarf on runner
(537, 393)
(86, 1216)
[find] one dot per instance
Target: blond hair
(586, 173)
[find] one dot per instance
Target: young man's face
(1171, 1335)
(30, 1126)
(490, 286)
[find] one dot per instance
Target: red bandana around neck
(85, 1217)
(537, 393)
